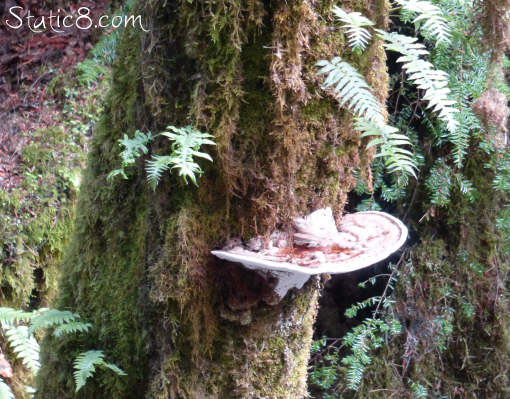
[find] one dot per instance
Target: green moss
(139, 266)
(36, 218)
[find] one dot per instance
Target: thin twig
(388, 284)
(35, 83)
(16, 107)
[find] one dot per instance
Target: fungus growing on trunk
(317, 246)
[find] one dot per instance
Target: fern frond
(85, 365)
(422, 73)
(389, 143)
(187, 137)
(72, 327)
(429, 18)
(113, 367)
(24, 344)
(156, 167)
(89, 71)
(350, 89)
(354, 23)
(132, 149)
(186, 142)
(5, 391)
(418, 390)
(51, 318)
(186, 168)
(13, 316)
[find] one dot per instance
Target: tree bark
(181, 323)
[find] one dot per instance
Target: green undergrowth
(452, 293)
(36, 215)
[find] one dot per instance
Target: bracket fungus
(317, 246)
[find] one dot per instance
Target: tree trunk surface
(181, 323)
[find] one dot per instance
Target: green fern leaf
(72, 327)
(116, 369)
(424, 75)
(389, 143)
(89, 71)
(156, 167)
(13, 316)
(429, 18)
(24, 344)
(186, 142)
(350, 89)
(85, 366)
(353, 26)
(419, 391)
(5, 391)
(132, 149)
(51, 318)
(187, 137)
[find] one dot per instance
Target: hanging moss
(180, 323)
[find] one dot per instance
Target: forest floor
(30, 64)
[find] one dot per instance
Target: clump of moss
(36, 218)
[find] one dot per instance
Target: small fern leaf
(156, 167)
(52, 318)
(187, 169)
(423, 74)
(429, 18)
(13, 316)
(116, 369)
(132, 148)
(72, 327)
(24, 344)
(186, 142)
(5, 391)
(353, 25)
(389, 143)
(85, 365)
(89, 71)
(350, 89)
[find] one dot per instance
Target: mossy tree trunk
(182, 324)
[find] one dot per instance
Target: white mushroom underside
(368, 238)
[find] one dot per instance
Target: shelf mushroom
(317, 246)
